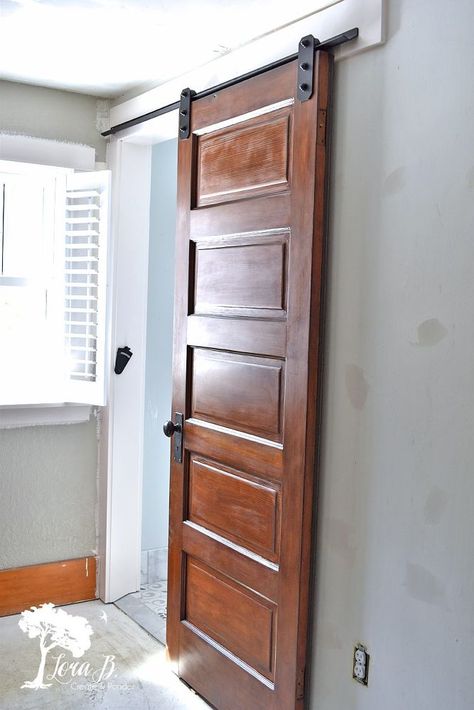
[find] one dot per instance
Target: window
(53, 270)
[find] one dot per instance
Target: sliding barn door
(251, 216)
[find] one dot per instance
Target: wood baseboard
(62, 582)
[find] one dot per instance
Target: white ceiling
(109, 47)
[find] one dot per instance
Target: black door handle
(169, 428)
(175, 429)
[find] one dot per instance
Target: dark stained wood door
(250, 243)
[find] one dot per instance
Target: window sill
(14, 417)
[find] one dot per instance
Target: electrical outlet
(360, 665)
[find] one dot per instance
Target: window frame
(70, 158)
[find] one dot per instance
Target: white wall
(159, 345)
(395, 563)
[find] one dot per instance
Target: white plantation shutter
(85, 285)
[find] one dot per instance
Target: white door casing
(121, 440)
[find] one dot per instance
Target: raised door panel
(242, 275)
(242, 509)
(236, 618)
(234, 163)
(241, 392)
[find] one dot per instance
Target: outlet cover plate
(355, 661)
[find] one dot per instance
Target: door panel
(250, 243)
(242, 161)
(238, 391)
(221, 608)
(241, 276)
(239, 507)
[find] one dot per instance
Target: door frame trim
(122, 421)
(120, 475)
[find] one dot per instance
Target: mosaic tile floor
(153, 596)
(147, 608)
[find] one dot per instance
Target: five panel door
(250, 252)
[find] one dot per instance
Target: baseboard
(62, 582)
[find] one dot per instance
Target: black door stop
(122, 359)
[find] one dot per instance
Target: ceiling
(111, 47)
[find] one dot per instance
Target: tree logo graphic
(54, 628)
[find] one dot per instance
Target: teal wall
(159, 345)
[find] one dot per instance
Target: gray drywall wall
(395, 561)
(50, 113)
(48, 473)
(159, 345)
(48, 493)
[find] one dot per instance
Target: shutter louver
(85, 276)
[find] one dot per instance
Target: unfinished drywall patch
(435, 506)
(328, 635)
(357, 386)
(430, 332)
(395, 181)
(340, 537)
(422, 585)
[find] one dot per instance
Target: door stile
(180, 388)
(324, 71)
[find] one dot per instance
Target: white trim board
(367, 15)
(43, 415)
(122, 421)
(27, 149)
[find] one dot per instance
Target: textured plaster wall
(48, 473)
(47, 493)
(396, 536)
(159, 345)
(50, 113)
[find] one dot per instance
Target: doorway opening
(147, 606)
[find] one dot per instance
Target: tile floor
(148, 608)
(141, 678)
